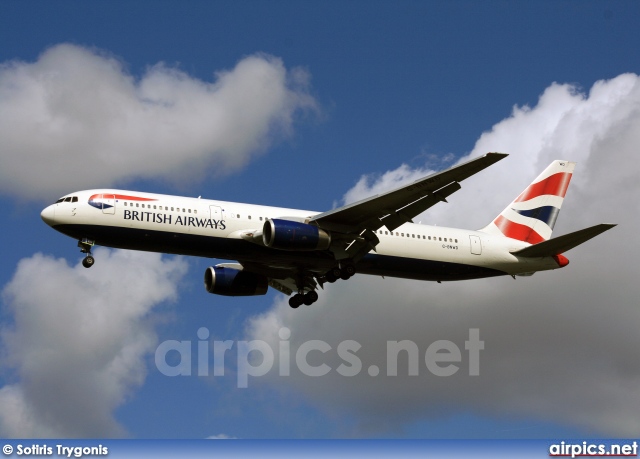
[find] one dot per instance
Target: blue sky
(392, 83)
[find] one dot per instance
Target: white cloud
(76, 118)
(369, 185)
(560, 346)
(78, 340)
(221, 437)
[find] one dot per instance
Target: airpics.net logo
(256, 358)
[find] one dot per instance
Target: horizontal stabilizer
(562, 244)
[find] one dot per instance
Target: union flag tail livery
(532, 215)
(297, 252)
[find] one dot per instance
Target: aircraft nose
(48, 215)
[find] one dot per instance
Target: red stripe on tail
(517, 231)
(555, 185)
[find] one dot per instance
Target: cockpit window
(67, 199)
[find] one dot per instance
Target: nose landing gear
(85, 247)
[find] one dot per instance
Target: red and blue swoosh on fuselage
(102, 200)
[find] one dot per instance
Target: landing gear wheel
(349, 269)
(311, 297)
(346, 271)
(85, 245)
(296, 300)
(88, 261)
(331, 277)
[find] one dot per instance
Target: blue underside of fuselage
(238, 249)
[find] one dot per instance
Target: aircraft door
(476, 245)
(108, 204)
(216, 213)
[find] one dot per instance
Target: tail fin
(532, 215)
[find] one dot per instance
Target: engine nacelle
(290, 235)
(233, 282)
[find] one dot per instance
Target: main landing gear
(85, 247)
(303, 298)
(344, 271)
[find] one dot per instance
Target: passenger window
(195, 211)
(183, 210)
(154, 207)
(137, 205)
(142, 205)
(189, 210)
(456, 241)
(440, 239)
(172, 209)
(249, 217)
(238, 215)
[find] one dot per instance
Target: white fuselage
(208, 228)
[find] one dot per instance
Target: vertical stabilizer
(532, 215)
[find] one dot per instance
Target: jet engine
(291, 235)
(234, 282)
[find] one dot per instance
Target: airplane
(297, 252)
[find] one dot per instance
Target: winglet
(562, 244)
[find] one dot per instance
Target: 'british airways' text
(153, 217)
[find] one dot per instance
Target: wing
(358, 221)
(399, 206)
(352, 226)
